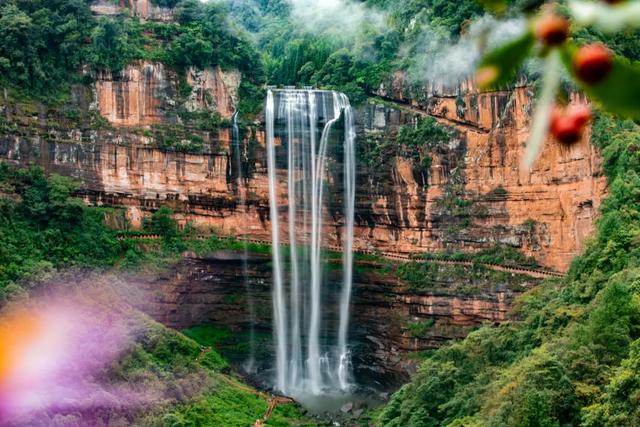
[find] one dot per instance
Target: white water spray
(302, 121)
(279, 309)
(347, 252)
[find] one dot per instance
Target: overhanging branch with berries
(611, 82)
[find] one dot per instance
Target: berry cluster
(591, 64)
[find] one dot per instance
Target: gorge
(403, 209)
(282, 224)
(400, 208)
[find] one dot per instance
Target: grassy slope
(186, 383)
(224, 401)
(234, 403)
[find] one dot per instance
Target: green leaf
(619, 92)
(507, 59)
(495, 6)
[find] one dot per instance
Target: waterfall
(347, 251)
(300, 127)
(237, 154)
(279, 309)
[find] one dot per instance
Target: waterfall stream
(238, 155)
(312, 353)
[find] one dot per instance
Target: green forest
(47, 42)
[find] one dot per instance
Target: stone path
(407, 106)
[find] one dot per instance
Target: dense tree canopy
(356, 64)
(42, 226)
(42, 41)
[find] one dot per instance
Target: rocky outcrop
(213, 90)
(139, 95)
(147, 10)
(477, 193)
(106, 8)
(143, 9)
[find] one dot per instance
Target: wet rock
(235, 256)
(376, 341)
(347, 407)
(214, 291)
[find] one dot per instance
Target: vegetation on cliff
(571, 359)
(428, 276)
(357, 58)
(43, 227)
(45, 45)
(416, 142)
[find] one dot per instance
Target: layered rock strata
(132, 148)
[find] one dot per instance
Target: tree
(162, 223)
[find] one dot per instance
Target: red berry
(581, 113)
(552, 29)
(568, 125)
(566, 131)
(592, 63)
(556, 116)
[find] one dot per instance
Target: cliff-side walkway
(399, 257)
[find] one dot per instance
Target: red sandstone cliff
(547, 211)
(143, 9)
(144, 93)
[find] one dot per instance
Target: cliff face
(145, 93)
(477, 193)
(389, 318)
(138, 141)
(148, 151)
(143, 9)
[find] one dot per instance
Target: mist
(436, 57)
(340, 18)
